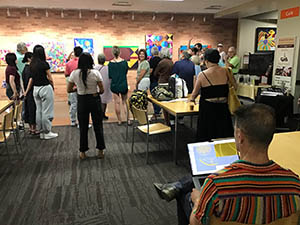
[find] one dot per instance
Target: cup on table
(192, 106)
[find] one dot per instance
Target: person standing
(72, 97)
(233, 61)
(220, 49)
(30, 107)
(185, 69)
(153, 79)
(143, 71)
(43, 87)
(106, 97)
(87, 80)
(117, 72)
(214, 119)
(13, 85)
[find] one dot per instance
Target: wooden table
(285, 150)
(177, 108)
(5, 104)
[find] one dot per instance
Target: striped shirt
(249, 193)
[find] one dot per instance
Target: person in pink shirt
(72, 97)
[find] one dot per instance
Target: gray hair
(185, 54)
(115, 51)
(165, 53)
(101, 58)
(154, 50)
(195, 59)
(21, 46)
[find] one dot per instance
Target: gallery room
(149, 112)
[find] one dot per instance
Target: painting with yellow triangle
(129, 53)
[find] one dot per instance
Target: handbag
(233, 100)
(161, 94)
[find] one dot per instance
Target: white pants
(72, 98)
(144, 84)
(44, 100)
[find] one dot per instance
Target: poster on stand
(285, 60)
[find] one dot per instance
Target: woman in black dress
(30, 107)
(214, 119)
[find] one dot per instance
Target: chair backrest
(8, 120)
(18, 112)
(140, 115)
(291, 220)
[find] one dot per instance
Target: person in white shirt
(87, 80)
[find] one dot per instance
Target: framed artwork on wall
(265, 39)
(185, 47)
(128, 53)
(86, 44)
(159, 41)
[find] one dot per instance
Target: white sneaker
(42, 136)
(73, 124)
(50, 135)
(90, 125)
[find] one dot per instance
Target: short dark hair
(28, 55)
(195, 50)
(199, 46)
(257, 122)
(77, 51)
(10, 59)
(142, 50)
(212, 55)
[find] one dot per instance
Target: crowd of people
(28, 74)
(231, 194)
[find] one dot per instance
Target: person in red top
(72, 97)
(13, 85)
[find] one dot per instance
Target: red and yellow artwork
(266, 39)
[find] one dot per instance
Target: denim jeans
(90, 104)
(72, 98)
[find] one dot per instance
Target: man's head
(185, 55)
(165, 53)
(21, 47)
(254, 126)
(198, 46)
(220, 47)
(155, 51)
(77, 51)
(231, 52)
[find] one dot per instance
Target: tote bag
(233, 100)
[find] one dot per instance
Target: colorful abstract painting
(55, 54)
(265, 39)
(129, 53)
(185, 47)
(159, 41)
(86, 44)
(3, 52)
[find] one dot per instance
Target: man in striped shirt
(254, 189)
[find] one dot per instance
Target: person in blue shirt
(185, 69)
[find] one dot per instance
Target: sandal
(129, 122)
(101, 154)
(119, 123)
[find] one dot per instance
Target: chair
(18, 120)
(150, 129)
(291, 220)
(127, 119)
(5, 130)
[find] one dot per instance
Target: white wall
(246, 35)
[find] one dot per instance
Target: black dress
(214, 119)
(30, 107)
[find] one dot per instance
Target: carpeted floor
(47, 184)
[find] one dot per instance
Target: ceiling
(157, 6)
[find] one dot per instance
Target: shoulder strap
(100, 68)
(207, 79)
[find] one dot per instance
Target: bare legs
(118, 100)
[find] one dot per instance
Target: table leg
(175, 140)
